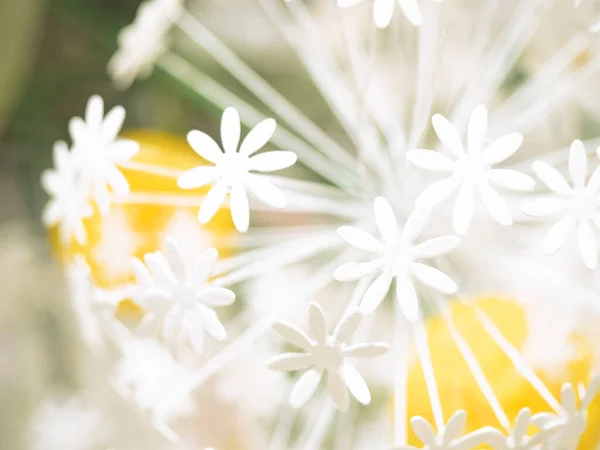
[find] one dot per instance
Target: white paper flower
(98, 150)
(68, 205)
(396, 257)
(450, 438)
(471, 172)
(572, 420)
(180, 297)
(578, 206)
(518, 438)
(326, 353)
(232, 169)
(383, 10)
(67, 425)
(143, 42)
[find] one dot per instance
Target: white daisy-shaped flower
(518, 439)
(68, 205)
(449, 438)
(396, 256)
(98, 150)
(383, 10)
(232, 169)
(572, 420)
(180, 297)
(143, 42)
(324, 353)
(578, 206)
(471, 172)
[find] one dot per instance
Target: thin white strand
(150, 169)
(208, 88)
(319, 429)
(259, 87)
(555, 157)
(266, 236)
(400, 371)
(283, 429)
(518, 360)
(425, 359)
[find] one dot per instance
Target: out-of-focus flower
(383, 10)
(518, 439)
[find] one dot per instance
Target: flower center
(328, 356)
(471, 169)
(233, 168)
(399, 258)
(583, 204)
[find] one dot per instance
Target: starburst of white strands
(387, 94)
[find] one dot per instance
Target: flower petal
(212, 324)
(437, 193)
(266, 191)
(230, 130)
(406, 296)
(258, 137)
(430, 160)
(568, 399)
(317, 323)
(522, 422)
(412, 11)
(577, 163)
(588, 247)
(434, 278)
(495, 205)
(175, 258)
(455, 426)
(502, 148)
(116, 180)
(355, 383)
(77, 130)
(386, 220)
(551, 177)
(197, 177)
(113, 122)
(423, 430)
(477, 130)
(212, 202)
(293, 335)
(337, 389)
(203, 268)
(376, 293)
(448, 135)
(52, 181)
(240, 210)
(414, 224)
(123, 150)
(359, 239)
(383, 10)
(511, 179)
(271, 161)
(172, 323)
(436, 246)
(52, 213)
(593, 185)
(347, 326)
(558, 234)
(305, 387)
(160, 270)
(356, 270)
(288, 362)
(463, 209)
(543, 207)
(94, 112)
(369, 350)
(216, 296)
(205, 146)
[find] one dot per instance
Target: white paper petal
(386, 220)
(406, 296)
(174, 258)
(551, 177)
(265, 191)
(240, 210)
(347, 326)
(197, 177)
(430, 160)
(113, 122)
(293, 335)
(116, 180)
(412, 11)
(213, 325)
(371, 350)
(463, 209)
(543, 207)
(52, 213)
(216, 296)
(288, 362)
(437, 193)
(271, 161)
(477, 130)
(258, 137)
(495, 205)
(455, 426)
(588, 247)
(577, 164)
(376, 293)
(436, 246)
(414, 224)
(230, 130)
(52, 181)
(423, 430)
(511, 179)
(356, 270)
(305, 388)
(502, 148)
(434, 278)
(594, 183)
(77, 130)
(212, 202)
(383, 10)
(122, 150)
(522, 422)
(317, 323)
(203, 268)
(205, 146)
(94, 111)
(558, 234)
(355, 383)
(172, 323)
(338, 390)
(448, 135)
(359, 239)
(568, 399)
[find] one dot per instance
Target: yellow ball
(458, 388)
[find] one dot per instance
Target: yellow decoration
(457, 386)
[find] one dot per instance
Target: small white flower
(69, 205)
(448, 438)
(67, 424)
(383, 10)
(578, 205)
(326, 353)
(518, 438)
(143, 42)
(396, 257)
(180, 297)
(231, 170)
(572, 420)
(472, 170)
(98, 150)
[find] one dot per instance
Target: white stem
(400, 373)
(518, 361)
(425, 359)
(555, 157)
(319, 429)
(283, 429)
(150, 169)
